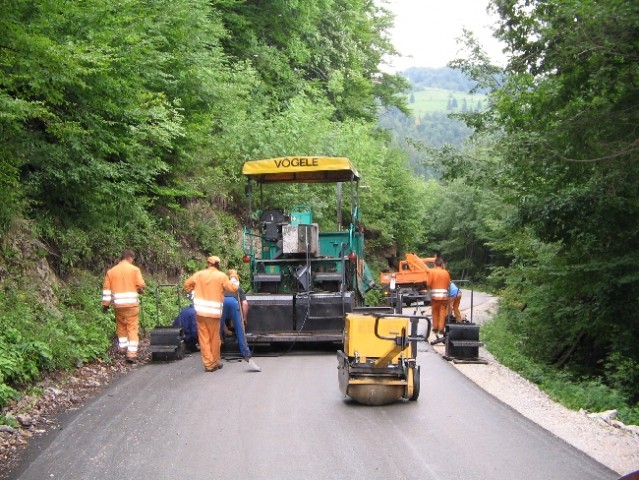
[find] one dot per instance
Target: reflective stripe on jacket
(204, 307)
(124, 298)
(439, 294)
(121, 285)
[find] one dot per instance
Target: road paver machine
(306, 272)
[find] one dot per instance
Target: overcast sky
(425, 30)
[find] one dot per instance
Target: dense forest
(125, 124)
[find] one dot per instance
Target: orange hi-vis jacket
(208, 287)
(121, 285)
(438, 282)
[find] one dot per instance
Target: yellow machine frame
(378, 365)
(301, 170)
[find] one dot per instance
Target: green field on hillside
(432, 100)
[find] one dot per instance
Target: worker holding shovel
(208, 287)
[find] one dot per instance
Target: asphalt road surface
(290, 421)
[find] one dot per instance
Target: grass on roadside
(39, 337)
(574, 393)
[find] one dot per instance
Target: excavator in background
(409, 282)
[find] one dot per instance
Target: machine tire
(415, 385)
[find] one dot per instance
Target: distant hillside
(444, 78)
(437, 100)
(435, 94)
(436, 90)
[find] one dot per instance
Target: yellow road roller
(378, 365)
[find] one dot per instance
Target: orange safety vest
(208, 287)
(438, 282)
(121, 285)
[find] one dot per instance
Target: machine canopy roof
(301, 170)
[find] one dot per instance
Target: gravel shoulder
(597, 435)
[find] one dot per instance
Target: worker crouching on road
(122, 285)
(208, 287)
(234, 317)
(438, 282)
(187, 321)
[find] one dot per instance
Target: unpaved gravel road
(612, 446)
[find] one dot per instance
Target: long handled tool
(250, 361)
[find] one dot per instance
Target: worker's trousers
(208, 335)
(454, 307)
(438, 309)
(127, 326)
(231, 311)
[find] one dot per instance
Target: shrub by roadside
(563, 386)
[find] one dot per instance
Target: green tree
(114, 107)
(568, 107)
(329, 49)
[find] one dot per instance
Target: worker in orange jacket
(122, 285)
(438, 280)
(208, 287)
